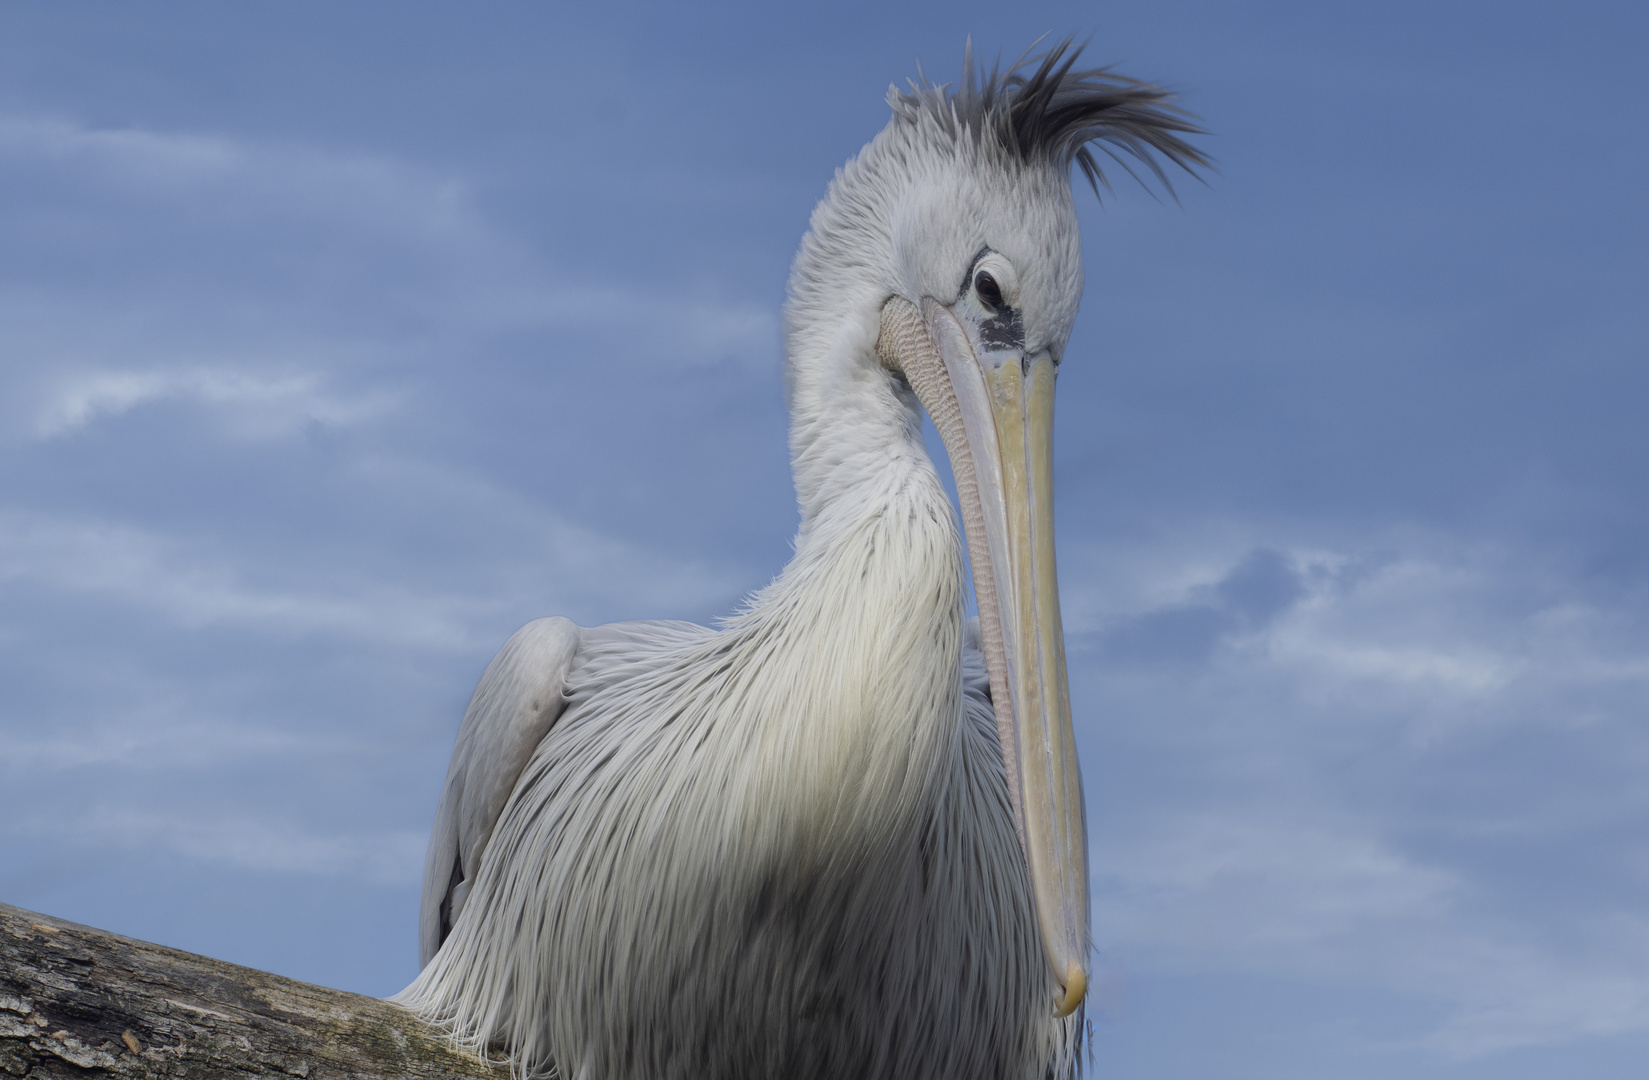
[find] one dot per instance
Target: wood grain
(78, 1002)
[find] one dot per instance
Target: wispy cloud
(1444, 626)
(1260, 885)
(196, 583)
(257, 405)
(650, 327)
(215, 173)
(388, 857)
(1281, 672)
(1331, 900)
(153, 740)
(1518, 994)
(444, 272)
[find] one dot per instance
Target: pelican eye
(990, 293)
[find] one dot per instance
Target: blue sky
(336, 341)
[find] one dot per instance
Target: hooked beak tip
(1076, 988)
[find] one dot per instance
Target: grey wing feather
(519, 698)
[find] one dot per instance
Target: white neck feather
(853, 433)
(863, 708)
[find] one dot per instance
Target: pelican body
(843, 834)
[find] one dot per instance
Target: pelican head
(952, 243)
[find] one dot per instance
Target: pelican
(843, 834)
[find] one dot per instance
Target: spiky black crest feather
(1040, 110)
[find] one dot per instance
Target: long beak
(994, 409)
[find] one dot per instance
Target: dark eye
(990, 293)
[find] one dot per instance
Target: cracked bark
(78, 1002)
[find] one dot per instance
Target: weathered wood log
(78, 1002)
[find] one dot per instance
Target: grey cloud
(1259, 589)
(1370, 772)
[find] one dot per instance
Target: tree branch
(75, 1001)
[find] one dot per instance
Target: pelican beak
(992, 403)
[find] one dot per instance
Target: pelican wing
(518, 700)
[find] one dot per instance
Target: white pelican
(806, 844)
